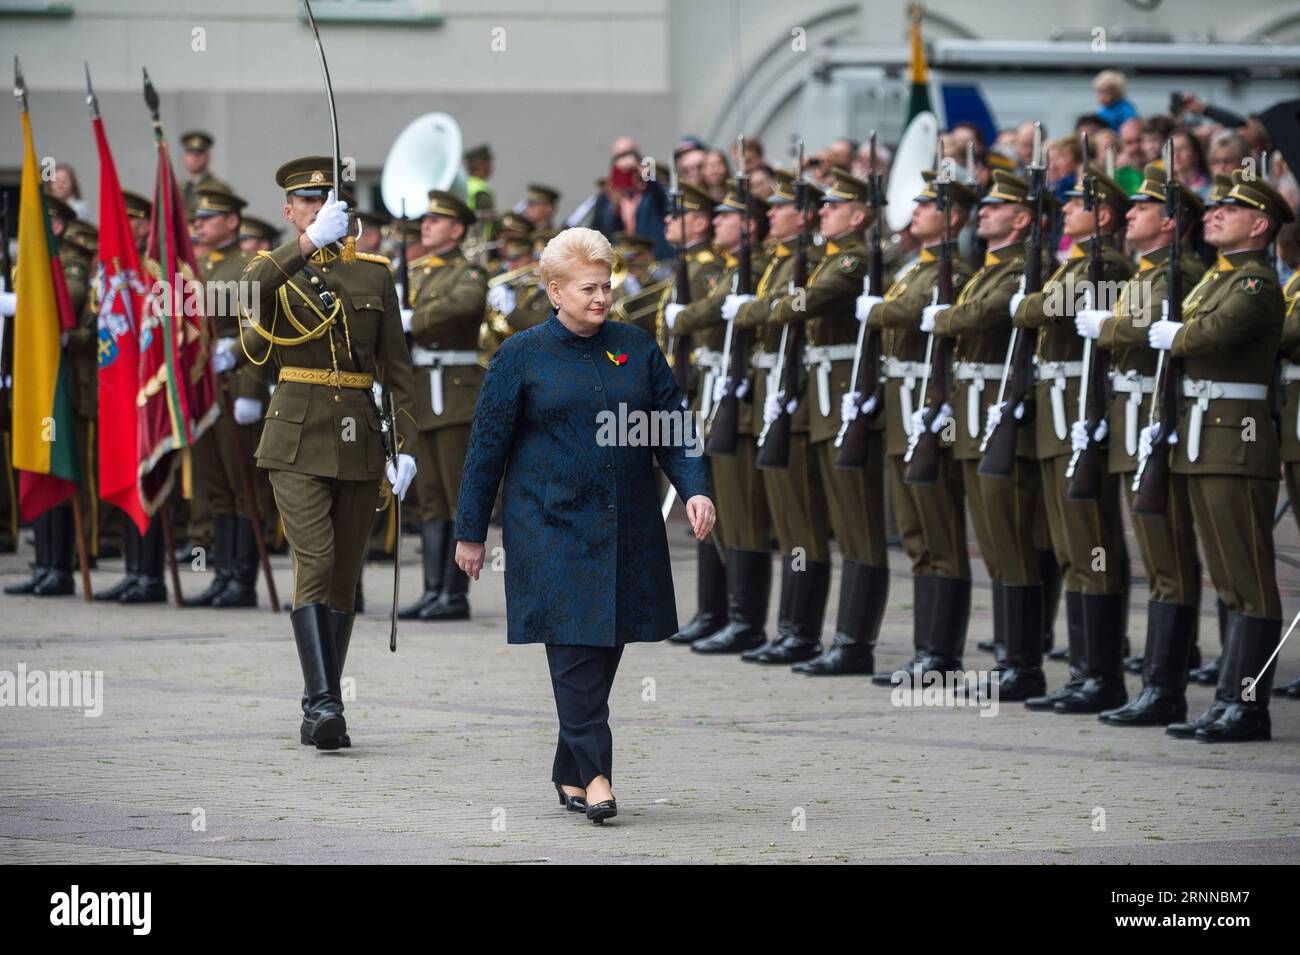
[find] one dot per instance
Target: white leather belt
(763, 359)
(821, 357)
(435, 360)
(711, 362)
(909, 373)
(1290, 372)
(1204, 391)
(1058, 373)
(1135, 386)
(977, 374)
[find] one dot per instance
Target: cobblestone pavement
(195, 757)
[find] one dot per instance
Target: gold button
(277, 414)
(338, 397)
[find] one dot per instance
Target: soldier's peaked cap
(306, 176)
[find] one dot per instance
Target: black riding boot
(1171, 630)
(749, 588)
(431, 551)
(57, 581)
(341, 633)
(864, 594)
(1251, 640)
(1021, 675)
(924, 595)
(223, 555)
(801, 640)
(1049, 571)
(1208, 674)
(148, 586)
(453, 602)
(242, 589)
(1103, 629)
(41, 565)
(710, 596)
(323, 723)
(951, 618)
(1077, 653)
(131, 557)
(749, 649)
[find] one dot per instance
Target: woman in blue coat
(574, 412)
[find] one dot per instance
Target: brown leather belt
(328, 376)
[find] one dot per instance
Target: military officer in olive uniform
(1002, 510)
(1166, 541)
(1227, 448)
(326, 329)
(54, 528)
(704, 269)
(1088, 536)
(1291, 417)
(197, 154)
(520, 301)
(220, 491)
(539, 206)
(744, 528)
(444, 325)
(257, 235)
(795, 496)
(931, 520)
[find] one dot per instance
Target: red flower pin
(619, 359)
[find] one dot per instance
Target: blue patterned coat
(586, 553)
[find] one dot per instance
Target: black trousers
(581, 678)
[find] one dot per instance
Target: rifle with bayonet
(724, 424)
(774, 440)
(681, 295)
(866, 379)
(1015, 393)
(1151, 483)
(1087, 467)
(403, 274)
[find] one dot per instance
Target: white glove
(502, 298)
(928, 315)
(918, 421)
(401, 476)
(865, 303)
(406, 318)
(1162, 334)
(630, 284)
(1088, 321)
(1146, 437)
(720, 388)
(223, 356)
(671, 311)
(8, 304)
(247, 410)
(849, 405)
(1014, 305)
(942, 419)
(1079, 435)
(771, 408)
(731, 305)
(331, 222)
(869, 406)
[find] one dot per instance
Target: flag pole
(78, 523)
(164, 515)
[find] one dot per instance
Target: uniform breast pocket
(282, 432)
(366, 318)
(1224, 442)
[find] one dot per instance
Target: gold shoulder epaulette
(417, 263)
(372, 257)
(704, 257)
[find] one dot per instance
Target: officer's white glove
(502, 298)
(331, 222)
(720, 388)
(630, 284)
(1014, 305)
(1088, 321)
(8, 304)
(223, 356)
(771, 408)
(407, 314)
(865, 303)
(1162, 334)
(928, 315)
(248, 411)
(671, 311)
(849, 405)
(401, 476)
(731, 305)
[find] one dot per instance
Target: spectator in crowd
(631, 202)
(689, 157)
(753, 158)
(840, 155)
(1090, 123)
(1155, 130)
(1112, 105)
(1025, 142)
(714, 173)
(760, 182)
(1131, 152)
(65, 187)
(862, 163)
(1189, 163)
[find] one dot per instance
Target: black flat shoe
(571, 803)
(602, 811)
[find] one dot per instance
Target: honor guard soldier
(372, 230)
(1002, 510)
(539, 207)
(1088, 536)
(704, 269)
(795, 500)
(855, 496)
(327, 328)
(444, 325)
(257, 235)
(930, 519)
(197, 146)
(744, 528)
(220, 491)
(1227, 448)
(54, 528)
(1166, 541)
(1291, 417)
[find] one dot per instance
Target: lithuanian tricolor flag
(44, 438)
(918, 73)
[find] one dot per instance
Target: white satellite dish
(915, 153)
(426, 155)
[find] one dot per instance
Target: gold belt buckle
(334, 377)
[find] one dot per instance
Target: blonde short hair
(571, 250)
(1111, 81)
